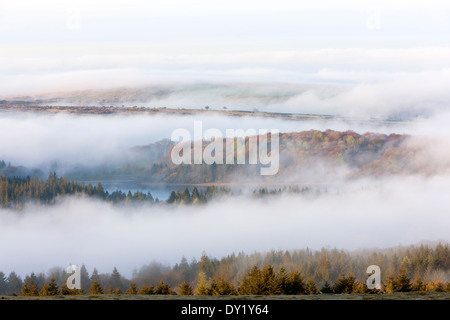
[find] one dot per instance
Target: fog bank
(369, 213)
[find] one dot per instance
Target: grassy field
(392, 296)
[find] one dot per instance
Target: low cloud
(369, 213)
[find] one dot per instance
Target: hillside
(305, 157)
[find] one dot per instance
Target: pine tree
(50, 289)
(212, 289)
(344, 284)
(186, 197)
(110, 290)
(3, 283)
(391, 285)
(326, 288)
(224, 288)
(66, 291)
(251, 283)
(129, 197)
(96, 288)
(84, 278)
(295, 284)
(115, 280)
(146, 289)
(186, 289)
(270, 281)
(94, 275)
(33, 289)
(281, 282)
(100, 190)
(403, 284)
(419, 285)
(25, 291)
(44, 290)
(202, 287)
(311, 287)
(132, 289)
(172, 197)
(162, 288)
(361, 287)
(195, 196)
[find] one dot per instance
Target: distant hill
(305, 157)
(308, 156)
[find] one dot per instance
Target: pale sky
(49, 46)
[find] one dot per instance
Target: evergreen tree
(206, 265)
(281, 282)
(361, 287)
(162, 288)
(311, 287)
(195, 196)
(146, 289)
(115, 281)
(25, 291)
(402, 282)
(186, 289)
(3, 283)
(344, 284)
(53, 287)
(66, 291)
(223, 288)
(326, 288)
(202, 287)
(270, 281)
(186, 197)
(295, 284)
(33, 289)
(391, 285)
(50, 289)
(250, 283)
(132, 289)
(100, 190)
(84, 278)
(94, 276)
(172, 197)
(419, 285)
(212, 289)
(110, 290)
(96, 288)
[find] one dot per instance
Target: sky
(387, 52)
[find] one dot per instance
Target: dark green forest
(16, 191)
(403, 269)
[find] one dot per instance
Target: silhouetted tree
(3, 282)
(115, 281)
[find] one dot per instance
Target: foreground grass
(391, 296)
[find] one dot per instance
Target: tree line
(328, 271)
(16, 191)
